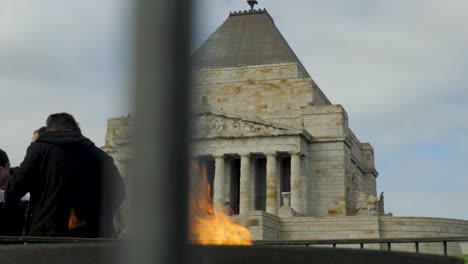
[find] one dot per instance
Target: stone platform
(264, 226)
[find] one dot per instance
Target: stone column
(271, 185)
(244, 199)
(304, 183)
(218, 188)
(296, 202)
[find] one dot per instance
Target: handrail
(33, 240)
(361, 242)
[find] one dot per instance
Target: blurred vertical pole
(159, 176)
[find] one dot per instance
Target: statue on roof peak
(252, 3)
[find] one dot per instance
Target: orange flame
(207, 225)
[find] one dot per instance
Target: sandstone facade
(279, 155)
(276, 109)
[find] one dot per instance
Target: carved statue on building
(381, 204)
(366, 204)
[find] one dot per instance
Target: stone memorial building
(267, 130)
(279, 155)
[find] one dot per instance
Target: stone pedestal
(286, 210)
(286, 199)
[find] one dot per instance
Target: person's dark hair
(3, 158)
(41, 131)
(62, 121)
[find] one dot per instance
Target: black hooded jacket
(62, 171)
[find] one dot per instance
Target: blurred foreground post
(158, 176)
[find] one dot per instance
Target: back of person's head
(38, 133)
(3, 158)
(41, 131)
(61, 121)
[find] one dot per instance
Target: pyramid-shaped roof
(245, 38)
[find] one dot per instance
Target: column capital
(219, 156)
(295, 153)
(245, 154)
(274, 154)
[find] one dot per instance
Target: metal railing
(362, 242)
(11, 240)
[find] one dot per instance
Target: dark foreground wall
(69, 253)
(282, 255)
(116, 252)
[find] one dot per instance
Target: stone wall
(259, 91)
(263, 225)
(317, 228)
(370, 175)
(326, 189)
(246, 73)
(362, 156)
(400, 227)
(363, 227)
(325, 121)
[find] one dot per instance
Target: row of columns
(271, 183)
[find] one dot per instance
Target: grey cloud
(62, 56)
(61, 40)
(428, 204)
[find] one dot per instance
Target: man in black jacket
(75, 187)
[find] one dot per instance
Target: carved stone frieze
(209, 125)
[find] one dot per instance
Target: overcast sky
(61, 56)
(398, 67)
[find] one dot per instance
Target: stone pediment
(216, 125)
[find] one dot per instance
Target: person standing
(75, 188)
(25, 200)
(11, 215)
(38, 133)
(4, 169)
